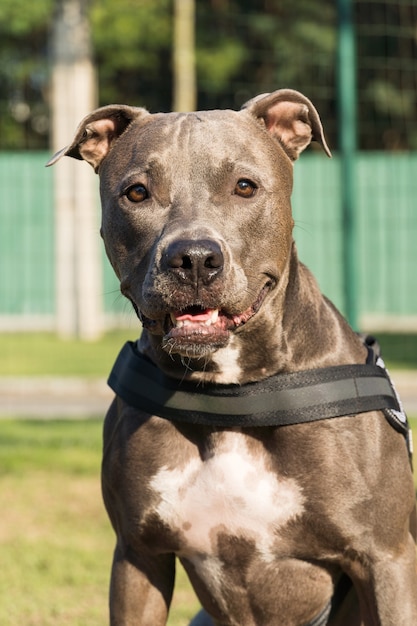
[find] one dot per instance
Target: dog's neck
(294, 322)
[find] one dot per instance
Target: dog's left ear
(291, 118)
(97, 133)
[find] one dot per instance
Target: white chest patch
(232, 492)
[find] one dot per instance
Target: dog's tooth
(177, 323)
(214, 315)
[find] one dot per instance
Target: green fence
(386, 234)
(386, 218)
(27, 286)
(26, 236)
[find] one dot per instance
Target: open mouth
(197, 329)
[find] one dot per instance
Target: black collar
(279, 400)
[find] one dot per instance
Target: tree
(132, 40)
(23, 73)
(244, 47)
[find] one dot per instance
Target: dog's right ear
(97, 132)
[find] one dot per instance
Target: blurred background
(62, 318)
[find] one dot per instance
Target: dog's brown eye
(245, 188)
(137, 193)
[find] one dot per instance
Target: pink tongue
(203, 316)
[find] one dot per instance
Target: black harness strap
(279, 400)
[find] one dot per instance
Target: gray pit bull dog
(298, 524)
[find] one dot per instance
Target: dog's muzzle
(195, 331)
(198, 320)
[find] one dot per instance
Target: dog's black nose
(194, 261)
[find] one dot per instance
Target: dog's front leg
(387, 588)
(141, 590)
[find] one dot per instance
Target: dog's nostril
(187, 263)
(214, 261)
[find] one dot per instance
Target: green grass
(399, 350)
(55, 539)
(44, 354)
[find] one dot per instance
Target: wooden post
(184, 56)
(73, 95)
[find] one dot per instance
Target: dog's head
(196, 212)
